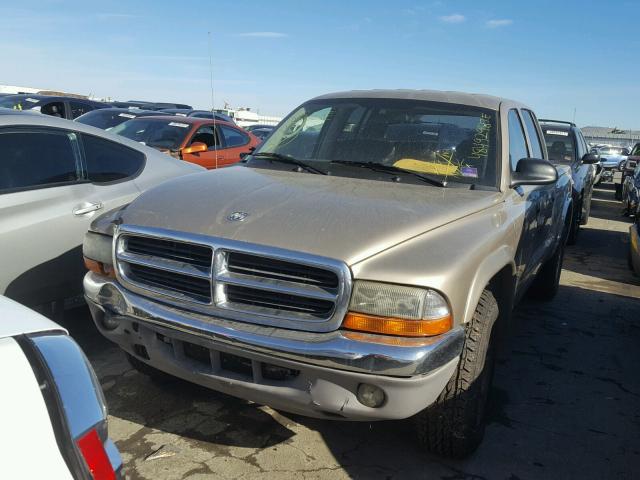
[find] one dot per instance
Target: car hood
(342, 218)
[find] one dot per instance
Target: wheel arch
(497, 273)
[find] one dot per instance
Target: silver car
(55, 177)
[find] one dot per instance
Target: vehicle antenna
(574, 114)
(213, 112)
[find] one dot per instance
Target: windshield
(560, 146)
(19, 102)
(451, 141)
(611, 151)
(636, 150)
(154, 133)
(104, 120)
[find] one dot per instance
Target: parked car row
(361, 263)
(62, 107)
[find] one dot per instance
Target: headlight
(96, 250)
(397, 310)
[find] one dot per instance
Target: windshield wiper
(391, 169)
(278, 157)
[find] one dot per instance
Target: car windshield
(154, 133)
(560, 145)
(636, 150)
(611, 151)
(19, 102)
(105, 120)
(450, 141)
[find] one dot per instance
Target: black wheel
(154, 374)
(453, 426)
(545, 286)
(575, 224)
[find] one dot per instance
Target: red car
(196, 140)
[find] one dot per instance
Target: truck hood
(342, 218)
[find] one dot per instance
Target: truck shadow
(565, 364)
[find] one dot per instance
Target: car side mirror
(195, 147)
(534, 171)
(244, 155)
(590, 158)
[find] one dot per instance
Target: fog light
(370, 395)
(110, 322)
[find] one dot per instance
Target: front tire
(453, 426)
(575, 225)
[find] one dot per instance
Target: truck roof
(461, 98)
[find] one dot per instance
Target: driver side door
(530, 248)
(211, 158)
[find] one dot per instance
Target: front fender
(457, 259)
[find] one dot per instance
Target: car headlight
(397, 310)
(96, 250)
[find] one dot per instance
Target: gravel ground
(565, 402)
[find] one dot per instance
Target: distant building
(244, 117)
(613, 136)
(13, 89)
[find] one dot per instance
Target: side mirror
(533, 171)
(195, 147)
(244, 155)
(590, 158)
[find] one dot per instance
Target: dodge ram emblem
(237, 216)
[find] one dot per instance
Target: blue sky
(553, 55)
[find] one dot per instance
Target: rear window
(105, 120)
(560, 145)
(163, 134)
(108, 161)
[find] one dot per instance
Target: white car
(52, 410)
(56, 176)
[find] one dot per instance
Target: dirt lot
(566, 402)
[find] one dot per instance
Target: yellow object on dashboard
(426, 167)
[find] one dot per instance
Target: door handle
(87, 208)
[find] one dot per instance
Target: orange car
(196, 140)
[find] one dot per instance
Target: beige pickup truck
(360, 265)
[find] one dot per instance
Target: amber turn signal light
(396, 326)
(99, 267)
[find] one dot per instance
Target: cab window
(517, 143)
(532, 131)
(79, 108)
(37, 159)
(206, 135)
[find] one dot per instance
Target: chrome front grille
(263, 267)
(233, 280)
(167, 267)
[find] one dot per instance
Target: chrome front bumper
(331, 365)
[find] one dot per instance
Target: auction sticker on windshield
(557, 132)
(126, 115)
(177, 124)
